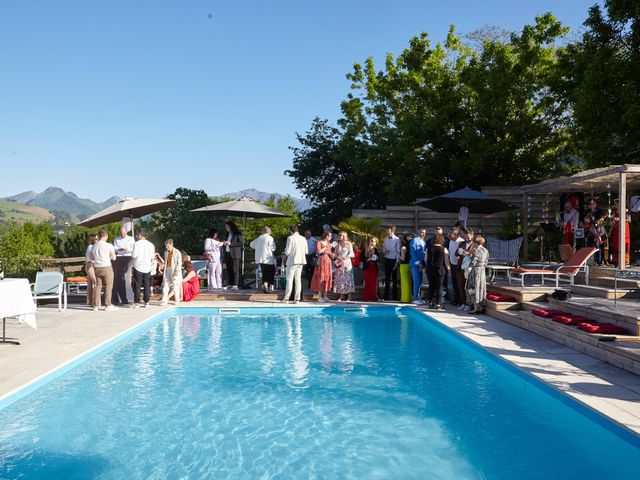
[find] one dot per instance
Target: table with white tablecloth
(16, 300)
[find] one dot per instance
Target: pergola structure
(592, 181)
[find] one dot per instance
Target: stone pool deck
(63, 336)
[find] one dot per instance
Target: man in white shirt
(296, 252)
(391, 252)
(143, 255)
(103, 254)
(454, 243)
(264, 246)
(123, 246)
(311, 252)
(172, 280)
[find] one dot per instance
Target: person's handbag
(562, 295)
(314, 260)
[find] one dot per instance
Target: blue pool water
(303, 394)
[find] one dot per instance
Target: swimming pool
(303, 393)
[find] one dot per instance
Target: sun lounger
(576, 264)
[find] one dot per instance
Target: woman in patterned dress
(321, 281)
(477, 281)
(343, 283)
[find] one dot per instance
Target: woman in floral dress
(343, 282)
(477, 281)
(321, 281)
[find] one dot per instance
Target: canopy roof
(134, 207)
(242, 207)
(476, 202)
(596, 180)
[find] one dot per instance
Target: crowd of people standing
(329, 263)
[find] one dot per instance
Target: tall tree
(439, 117)
(322, 173)
(601, 84)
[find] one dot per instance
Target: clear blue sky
(138, 97)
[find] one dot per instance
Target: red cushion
(493, 297)
(564, 319)
(540, 312)
(600, 328)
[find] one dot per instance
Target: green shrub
(22, 247)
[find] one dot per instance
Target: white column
(622, 213)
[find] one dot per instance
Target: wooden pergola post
(622, 214)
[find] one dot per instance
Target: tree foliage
(438, 118)
(279, 225)
(187, 229)
(600, 83)
(22, 247)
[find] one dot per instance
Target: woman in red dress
(321, 281)
(370, 266)
(615, 235)
(190, 283)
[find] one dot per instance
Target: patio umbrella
(466, 198)
(132, 207)
(243, 207)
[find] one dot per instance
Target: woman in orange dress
(190, 283)
(321, 281)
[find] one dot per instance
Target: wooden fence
(410, 218)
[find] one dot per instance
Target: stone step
(625, 314)
(625, 356)
(603, 292)
(501, 306)
(626, 283)
(526, 294)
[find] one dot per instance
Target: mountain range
(69, 207)
(55, 199)
(301, 203)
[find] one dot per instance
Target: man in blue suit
(416, 248)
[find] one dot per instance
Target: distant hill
(24, 197)
(69, 207)
(301, 203)
(56, 199)
(12, 211)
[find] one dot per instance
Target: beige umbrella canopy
(128, 207)
(242, 207)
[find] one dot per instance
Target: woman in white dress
(212, 254)
(343, 281)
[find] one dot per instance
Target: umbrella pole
(244, 233)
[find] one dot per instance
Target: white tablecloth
(16, 301)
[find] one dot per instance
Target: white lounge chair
(49, 285)
(576, 264)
